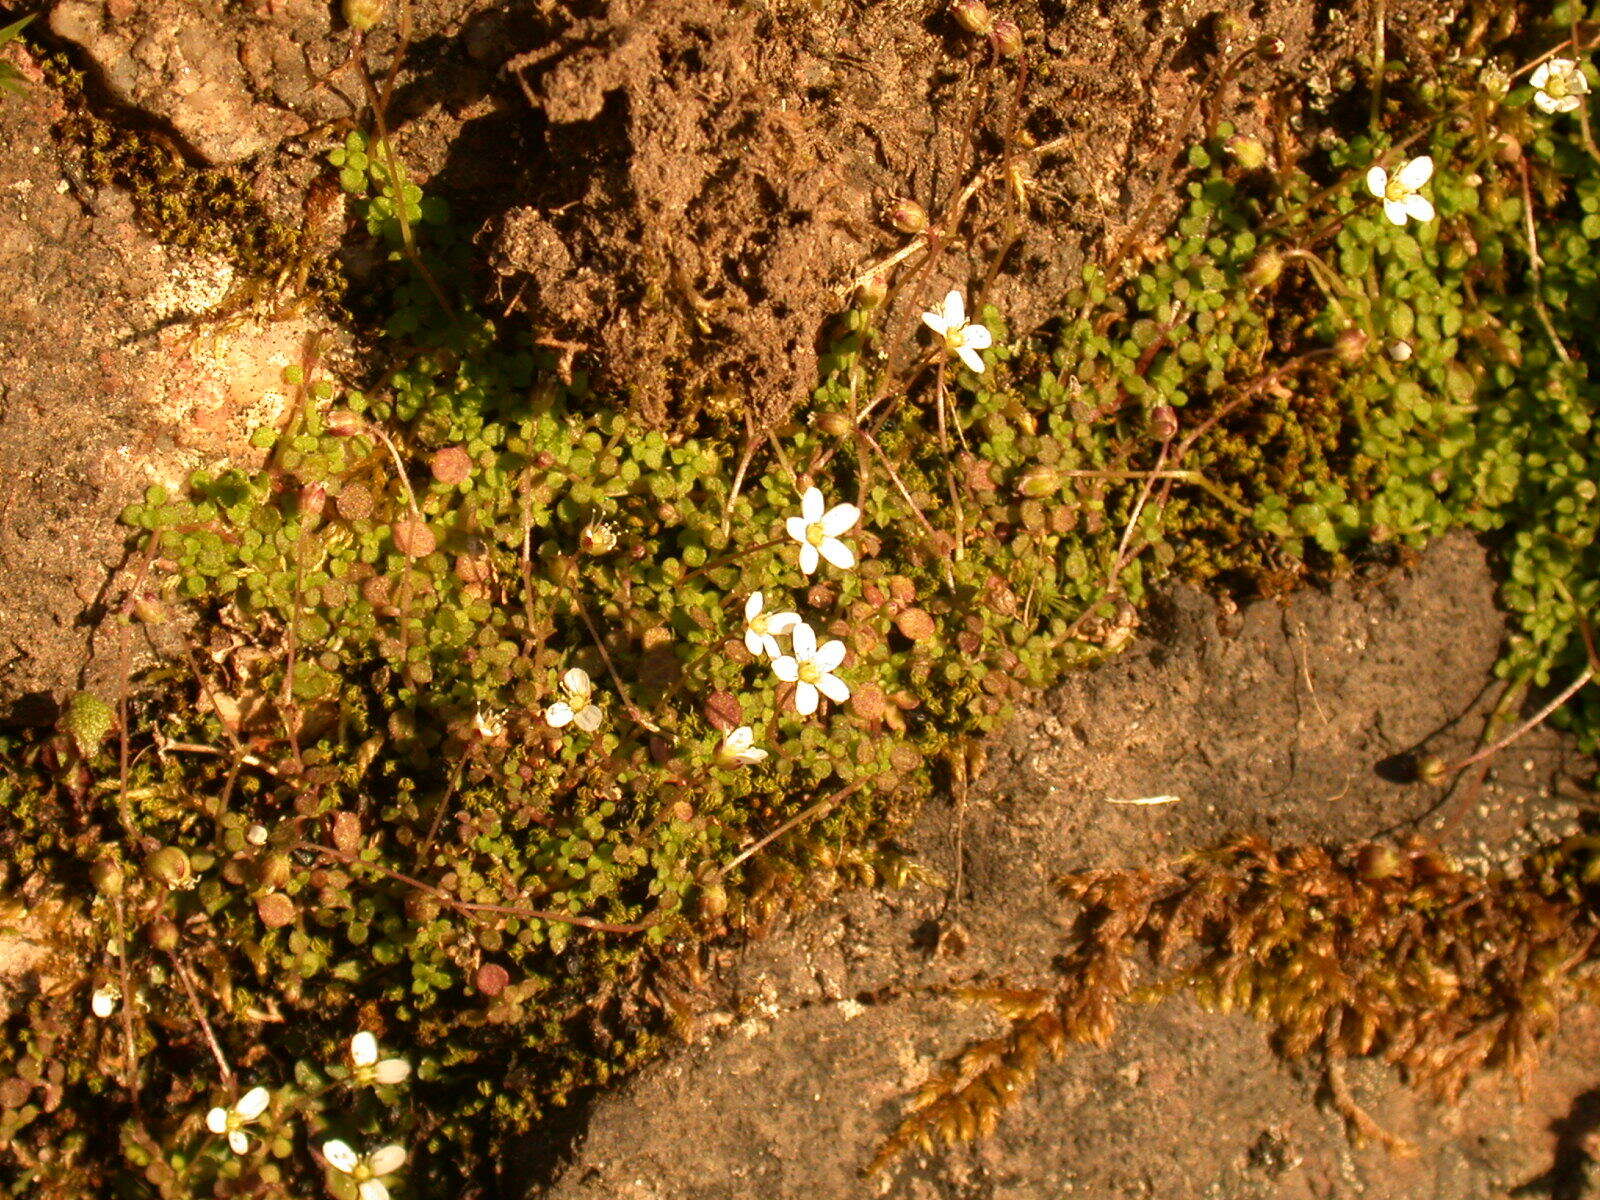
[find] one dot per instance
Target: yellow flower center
(809, 672)
(758, 624)
(1396, 190)
(815, 534)
(1558, 86)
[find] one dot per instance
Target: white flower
(739, 748)
(949, 321)
(1399, 191)
(104, 1001)
(1558, 82)
(818, 532)
(810, 669)
(231, 1121)
(761, 629)
(368, 1068)
(488, 724)
(365, 1169)
(577, 709)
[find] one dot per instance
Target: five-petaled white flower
(1399, 192)
(739, 748)
(366, 1169)
(761, 629)
(578, 708)
(1558, 82)
(810, 668)
(369, 1068)
(104, 1001)
(488, 724)
(232, 1121)
(949, 321)
(818, 532)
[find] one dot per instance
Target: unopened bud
(312, 500)
(713, 901)
(1270, 48)
(1431, 769)
(1264, 270)
(256, 835)
(1039, 482)
(1250, 153)
(149, 610)
(906, 215)
(341, 422)
(1378, 861)
(162, 934)
(1163, 422)
(972, 15)
(1006, 38)
(872, 291)
(169, 865)
(362, 15)
(107, 877)
(1400, 351)
(1351, 345)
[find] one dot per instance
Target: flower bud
(906, 215)
(1378, 860)
(972, 15)
(169, 865)
(1351, 345)
(834, 423)
(713, 901)
(107, 877)
(1431, 769)
(162, 934)
(1264, 270)
(1039, 482)
(149, 610)
(341, 422)
(1270, 48)
(312, 500)
(1400, 351)
(1163, 422)
(872, 291)
(362, 15)
(1006, 38)
(256, 835)
(1248, 152)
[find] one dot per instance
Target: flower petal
(391, 1070)
(1377, 181)
(387, 1159)
(829, 656)
(808, 558)
(770, 647)
(797, 528)
(1418, 208)
(559, 714)
(1544, 103)
(577, 683)
(339, 1155)
(588, 718)
(837, 553)
(1566, 104)
(805, 699)
(217, 1120)
(834, 688)
(754, 642)
(753, 755)
(1395, 211)
(782, 622)
(1416, 173)
(812, 505)
(972, 358)
(786, 668)
(804, 639)
(238, 1142)
(1541, 73)
(741, 738)
(977, 336)
(253, 1103)
(954, 310)
(840, 518)
(935, 322)
(363, 1049)
(753, 606)
(372, 1189)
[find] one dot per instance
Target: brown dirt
(1273, 722)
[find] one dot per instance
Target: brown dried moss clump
(1374, 949)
